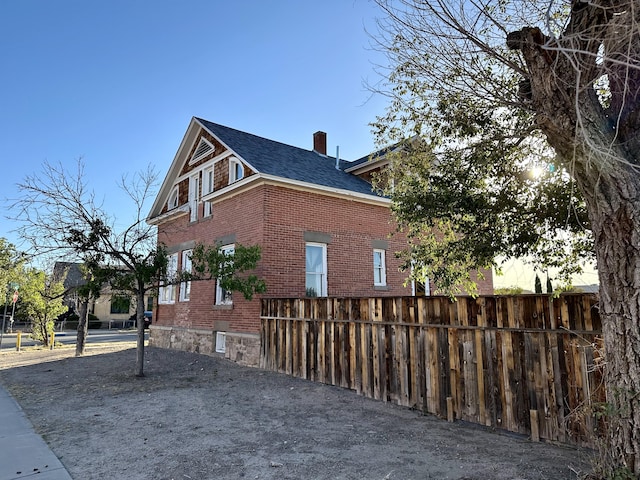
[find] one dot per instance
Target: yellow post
(18, 339)
(52, 340)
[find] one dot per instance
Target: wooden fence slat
(479, 365)
(375, 342)
(433, 372)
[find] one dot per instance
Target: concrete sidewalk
(23, 453)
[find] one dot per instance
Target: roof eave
(170, 215)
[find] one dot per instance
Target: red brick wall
(277, 218)
(352, 225)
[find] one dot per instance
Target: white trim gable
(180, 159)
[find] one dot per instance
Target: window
(207, 188)
(316, 268)
(167, 294)
(221, 340)
(236, 170)
(379, 268)
(223, 297)
(173, 198)
(207, 181)
(194, 195)
(120, 304)
(208, 209)
(185, 287)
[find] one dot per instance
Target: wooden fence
(528, 364)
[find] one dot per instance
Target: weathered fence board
(527, 363)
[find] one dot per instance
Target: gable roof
(286, 161)
(69, 273)
(270, 160)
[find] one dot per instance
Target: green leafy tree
(11, 263)
(58, 215)
(12, 272)
(231, 270)
(41, 301)
(525, 120)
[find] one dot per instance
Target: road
(69, 338)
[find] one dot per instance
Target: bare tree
(59, 215)
(496, 88)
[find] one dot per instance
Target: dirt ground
(200, 417)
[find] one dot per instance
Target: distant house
(111, 308)
(321, 228)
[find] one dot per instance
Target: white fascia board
(170, 215)
(368, 165)
(261, 178)
(168, 182)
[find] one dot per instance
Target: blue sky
(116, 82)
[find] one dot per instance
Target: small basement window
(221, 342)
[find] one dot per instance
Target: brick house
(321, 228)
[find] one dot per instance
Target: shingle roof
(286, 161)
(69, 273)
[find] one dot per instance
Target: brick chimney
(320, 143)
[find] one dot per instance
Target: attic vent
(204, 149)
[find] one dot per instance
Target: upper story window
(204, 148)
(207, 181)
(236, 170)
(194, 195)
(379, 268)
(173, 198)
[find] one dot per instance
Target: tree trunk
(598, 146)
(615, 222)
(83, 327)
(140, 323)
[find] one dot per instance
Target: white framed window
(194, 195)
(173, 198)
(316, 269)
(167, 293)
(208, 209)
(236, 170)
(208, 181)
(221, 342)
(185, 287)
(223, 297)
(379, 268)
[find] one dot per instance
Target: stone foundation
(242, 348)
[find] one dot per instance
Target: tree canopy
(516, 128)
(474, 180)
